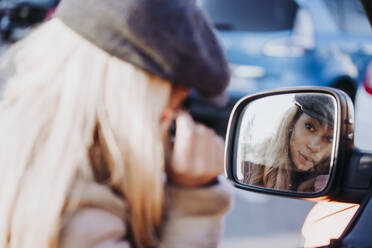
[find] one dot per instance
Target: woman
(86, 154)
(297, 158)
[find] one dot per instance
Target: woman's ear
(167, 114)
(177, 96)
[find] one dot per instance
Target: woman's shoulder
(93, 227)
(97, 218)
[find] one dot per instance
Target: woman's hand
(198, 154)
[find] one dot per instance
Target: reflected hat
(168, 38)
(318, 106)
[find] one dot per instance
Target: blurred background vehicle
(17, 16)
(283, 43)
(363, 111)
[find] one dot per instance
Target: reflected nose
(314, 145)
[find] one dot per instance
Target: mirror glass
(286, 142)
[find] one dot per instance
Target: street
(265, 221)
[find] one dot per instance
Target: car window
(251, 15)
(349, 16)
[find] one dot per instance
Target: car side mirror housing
(297, 142)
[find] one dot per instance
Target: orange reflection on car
(326, 221)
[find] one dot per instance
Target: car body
(17, 16)
(273, 44)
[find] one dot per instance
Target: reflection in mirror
(285, 142)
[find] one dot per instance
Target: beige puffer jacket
(193, 218)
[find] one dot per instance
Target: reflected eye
(309, 127)
(329, 138)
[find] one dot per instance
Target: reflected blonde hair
(278, 174)
(63, 95)
(275, 172)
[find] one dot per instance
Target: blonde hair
(63, 94)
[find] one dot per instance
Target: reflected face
(310, 142)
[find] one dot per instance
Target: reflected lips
(305, 157)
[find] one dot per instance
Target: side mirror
(296, 142)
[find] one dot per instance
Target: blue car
(282, 43)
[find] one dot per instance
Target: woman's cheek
(304, 138)
(326, 152)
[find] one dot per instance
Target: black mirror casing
(344, 143)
